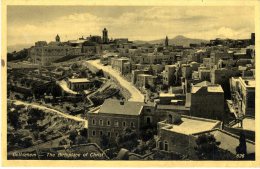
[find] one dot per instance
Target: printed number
(240, 155)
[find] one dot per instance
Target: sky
(28, 24)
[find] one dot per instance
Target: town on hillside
(103, 98)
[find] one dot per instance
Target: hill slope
(178, 40)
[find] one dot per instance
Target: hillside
(18, 47)
(178, 40)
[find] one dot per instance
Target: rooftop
(192, 125)
(248, 81)
(63, 84)
(248, 124)
(230, 141)
(77, 41)
(145, 75)
(204, 83)
(111, 106)
(212, 88)
(78, 80)
(122, 58)
(166, 95)
(172, 107)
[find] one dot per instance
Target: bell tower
(105, 36)
(166, 41)
(57, 38)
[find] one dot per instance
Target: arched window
(148, 120)
(166, 145)
(93, 121)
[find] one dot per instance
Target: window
(124, 123)
(100, 133)
(166, 145)
(108, 134)
(94, 122)
(132, 124)
(101, 122)
(148, 120)
(108, 123)
(93, 133)
(116, 123)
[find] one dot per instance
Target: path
(136, 95)
(35, 105)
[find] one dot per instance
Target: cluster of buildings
(211, 87)
(44, 53)
(203, 88)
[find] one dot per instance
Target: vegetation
(128, 139)
(13, 119)
(208, 149)
(17, 55)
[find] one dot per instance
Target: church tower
(166, 41)
(57, 38)
(105, 36)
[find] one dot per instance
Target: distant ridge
(18, 47)
(178, 40)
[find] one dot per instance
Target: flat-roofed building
(174, 132)
(77, 84)
(172, 99)
(206, 100)
(243, 96)
(122, 65)
(105, 59)
(145, 80)
(135, 73)
(169, 75)
(47, 54)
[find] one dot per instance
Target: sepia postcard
(130, 83)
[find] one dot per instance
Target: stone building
(174, 133)
(122, 65)
(169, 75)
(78, 84)
(243, 96)
(114, 116)
(47, 54)
(145, 80)
(206, 100)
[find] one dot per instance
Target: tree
(73, 135)
(84, 132)
(26, 142)
(80, 140)
(100, 73)
(34, 115)
(43, 137)
(241, 148)
(207, 147)
(104, 141)
(128, 139)
(13, 119)
(151, 144)
(147, 134)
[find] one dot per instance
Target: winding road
(136, 95)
